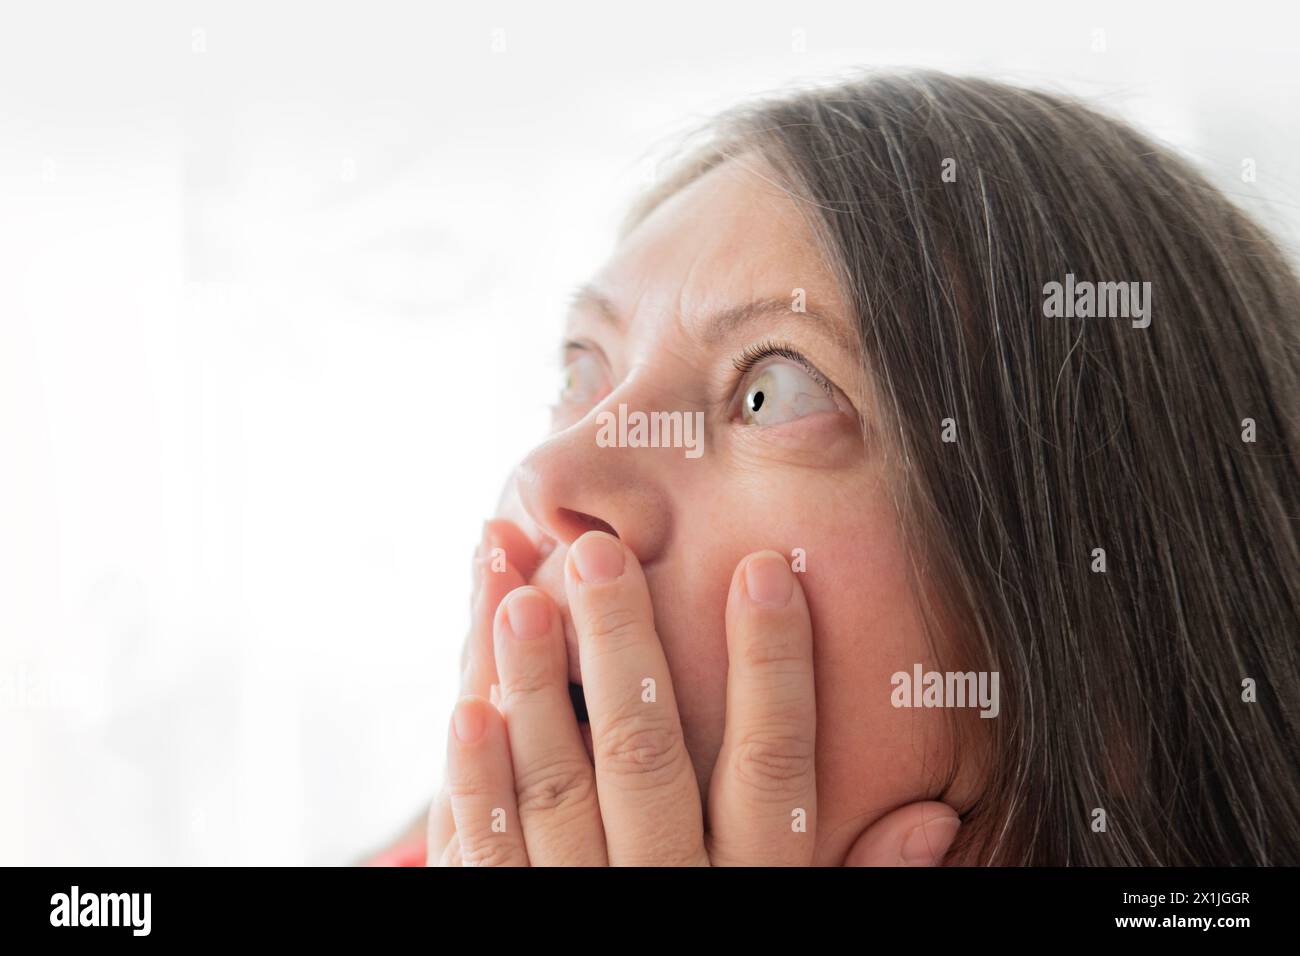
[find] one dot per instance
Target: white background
(279, 290)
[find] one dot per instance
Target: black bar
(435, 907)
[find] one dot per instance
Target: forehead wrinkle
(721, 325)
(588, 298)
(718, 326)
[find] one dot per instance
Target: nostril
(582, 523)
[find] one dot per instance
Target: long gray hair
(1164, 690)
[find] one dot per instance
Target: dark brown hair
(1123, 690)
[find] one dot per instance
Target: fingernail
(927, 844)
(528, 614)
(769, 580)
(467, 720)
(597, 558)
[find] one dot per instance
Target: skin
(762, 709)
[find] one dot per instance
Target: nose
(570, 485)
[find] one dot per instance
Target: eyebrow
(719, 325)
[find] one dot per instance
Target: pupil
(756, 401)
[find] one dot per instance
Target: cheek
(871, 757)
(852, 576)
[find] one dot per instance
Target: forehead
(733, 235)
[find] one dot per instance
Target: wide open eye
(783, 392)
(584, 379)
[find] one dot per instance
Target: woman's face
(719, 275)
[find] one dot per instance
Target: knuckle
(468, 786)
(639, 745)
(779, 654)
(489, 850)
(557, 786)
(527, 682)
(611, 623)
(773, 761)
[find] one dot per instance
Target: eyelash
(753, 355)
(746, 362)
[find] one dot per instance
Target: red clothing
(411, 852)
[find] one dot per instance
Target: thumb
(918, 834)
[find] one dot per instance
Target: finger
(919, 834)
(519, 549)
(441, 824)
(450, 855)
(510, 508)
(555, 785)
(645, 782)
(501, 554)
(482, 787)
(763, 794)
(496, 574)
